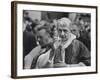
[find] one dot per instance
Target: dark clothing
(58, 56)
(29, 42)
(85, 39)
(77, 52)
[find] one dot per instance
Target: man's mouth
(63, 38)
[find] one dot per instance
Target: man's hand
(57, 42)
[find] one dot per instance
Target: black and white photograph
(54, 39)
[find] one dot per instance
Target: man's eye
(73, 30)
(65, 31)
(60, 30)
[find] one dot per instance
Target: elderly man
(76, 53)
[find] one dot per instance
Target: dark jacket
(77, 52)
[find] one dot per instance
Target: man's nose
(62, 33)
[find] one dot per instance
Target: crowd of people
(56, 43)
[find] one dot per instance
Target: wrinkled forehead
(63, 28)
(63, 24)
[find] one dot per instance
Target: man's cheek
(67, 35)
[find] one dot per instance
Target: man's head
(43, 33)
(75, 30)
(64, 28)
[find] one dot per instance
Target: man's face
(63, 32)
(43, 37)
(74, 29)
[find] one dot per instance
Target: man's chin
(64, 39)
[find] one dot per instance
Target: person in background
(84, 34)
(75, 30)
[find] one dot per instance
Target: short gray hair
(64, 21)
